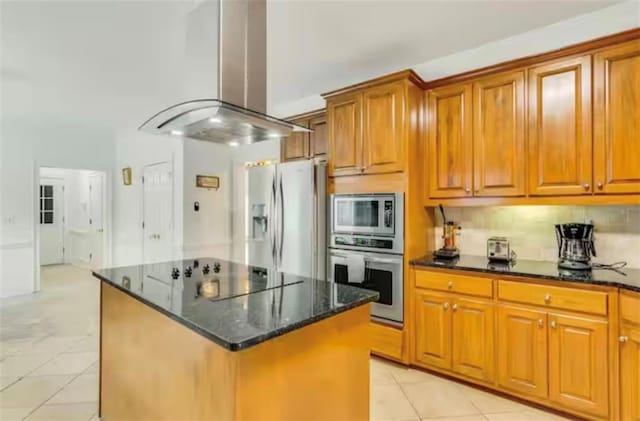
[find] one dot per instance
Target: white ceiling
(115, 63)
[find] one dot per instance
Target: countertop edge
(418, 262)
(235, 346)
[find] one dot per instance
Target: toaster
(498, 249)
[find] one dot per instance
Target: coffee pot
(575, 245)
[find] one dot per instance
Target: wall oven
(374, 271)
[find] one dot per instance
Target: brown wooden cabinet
(498, 135)
(345, 134)
(433, 329)
(560, 144)
(296, 145)
(630, 372)
(617, 119)
(578, 363)
(472, 335)
(300, 145)
(319, 137)
(522, 350)
(449, 141)
(383, 128)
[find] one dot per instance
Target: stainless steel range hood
(238, 116)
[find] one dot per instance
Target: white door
(96, 220)
(157, 212)
(51, 221)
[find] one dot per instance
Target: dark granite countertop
(234, 305)
(624, 278)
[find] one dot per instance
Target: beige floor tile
(83, 388)
(489, 403)
(88, 344)
(64, 412)
(95, 417)
(53, 344)
(73, 363)
(439, 398)
(7, 381)
(388, 402)
(380, 376)
(21, 365)
(31, 392)
(462, 418)
(411, 375)
(529, 415)
(93, 368)
(14, 414)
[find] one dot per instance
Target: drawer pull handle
(455, 307)
(623, 339)
(553, 324)
(540, 323)
(445, 306)
(547, 298)
(450, 284)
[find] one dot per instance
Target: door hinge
(142, 224)
(143, 179)
(90, 256)
(90, 221)
(90, 187)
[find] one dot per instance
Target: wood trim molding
(308, 115)
(403, 74)
(597, 199)
(581, 48)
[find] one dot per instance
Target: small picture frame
(208, 181)
(126, 176)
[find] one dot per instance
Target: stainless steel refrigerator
(287, 217)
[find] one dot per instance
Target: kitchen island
(215, 340)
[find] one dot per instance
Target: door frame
(35, 208)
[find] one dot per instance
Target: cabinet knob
(553, 324)
(600, 185)
(467, 191)
(586, 186)
(623, 339)
(547, 298)
(477, 190)
(450, 284)
(455, 307)
(540, 323)
(446, 306)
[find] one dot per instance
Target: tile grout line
(52, 395)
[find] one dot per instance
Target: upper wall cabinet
(383, 128)
(318, 138)
(449, 138)
(369, 125)
(296, 145)
(306, 145)
(617, 119)
(560, 128)
(498, 135)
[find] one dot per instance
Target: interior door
(560, 161)
(522, 350)
(630, 372)
(578, 363)
(498, 135)
(295, 217)
(51, 221)
(383, 128)
(449, 139)
(433, 329)
(345, 134)
(616, 123)
(157, 212)
(96, 219)
(472, 335)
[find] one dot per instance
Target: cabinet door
(617, 119)
(345, 135)
(433, 329)
(578, 363)
(560, 128)
(449, 137)
(472, 335)
(522, 350)
(630, 373)
(383, 128)
(498, 135)
(318, 138)
(296, 145)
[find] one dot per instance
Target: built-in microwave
(373, 222)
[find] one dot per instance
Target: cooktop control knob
(216, 267)
(206, 269)
(175, 273)
(188, 271)
(196, 264)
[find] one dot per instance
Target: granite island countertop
(624, 278)
(234, 305)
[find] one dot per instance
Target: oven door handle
(370, 259)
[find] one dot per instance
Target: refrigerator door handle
(281, 215)
(272, 217)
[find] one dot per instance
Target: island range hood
(238, 116)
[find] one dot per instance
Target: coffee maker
(575, 246)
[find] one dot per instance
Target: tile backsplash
(530, 230)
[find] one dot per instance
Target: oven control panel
(375, 243)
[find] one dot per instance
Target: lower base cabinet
(630, 373)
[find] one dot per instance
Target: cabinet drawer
(386, 341)
(554, 297)
(630, 307)
(460, 284)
